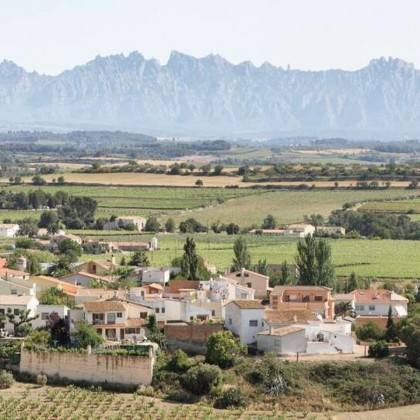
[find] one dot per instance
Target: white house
(47, 312)
(138, 222)
(8, 230)
(375, 302)
(14, 304)
(13, 287)
(155, 275)
(224, 288)
(245, 318)
(300, 230)
(283, 340)
(84, 279)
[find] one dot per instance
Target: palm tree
(345, 309)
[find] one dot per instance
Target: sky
(50, 36)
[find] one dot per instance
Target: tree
(269, 222)
(391, 329)
(152, 225)
(19, 319)
(78, 212)
(61, 180)
(345, 309)
(218, 169)
(232, 229)
(315, 219)
(70, 248)
(286, 278)
(47, 219)
(223, 349)
(314, 262)
(190, 261)
(191, 225)
(62, 266)
(54, 228)
(369, 332)
(27, 227)
(139, 259)
(409, 331)
(55, 296)
(205, 169)
(155, 334)
(38, 180)
(199, 183)
(262, 267)
(170, 225)
(85, 335)
(352, 282)
(242, 258)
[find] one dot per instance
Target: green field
(287, 206)
(399, 206)
(371, 258)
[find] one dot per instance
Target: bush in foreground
(6, 379)
(201, 379)
(232, 398)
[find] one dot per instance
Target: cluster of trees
(382, 225)
(32, 200)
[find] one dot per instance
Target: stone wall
(95, 368)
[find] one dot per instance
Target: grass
(370, 258)
(399, 206)
(286, 206)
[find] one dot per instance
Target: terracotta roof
(273, 316)
(248, 304)
(343, 297)
(282, 331)
(135, 322)
(104, 306)
(68, 288)
(280, 289)
(8, 225)
(155, 286)
(15, 300)
(377, 296)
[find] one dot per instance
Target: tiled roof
(88, 275)
(377, 296)
(273, 316)
(281, 331)
(10, 272)
(280, 289)
(248, 304)
(155, 286)
(104, 306)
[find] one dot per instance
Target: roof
(248, 304)
(343, 297)
(238, 274)
(377, 296)
(300, 226)
(68, 288)
(88, 275)
(9, 271)
(155, 286)
(285, 316)
(280, 332)
(15, 300)
(280, 289)
(105, 306)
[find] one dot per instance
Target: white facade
(224, 288)
(138, 222)
(246, 323)
(45, 311)
(11, 287)
(8, 230)
(299, 230)
(15, 304)
(159, 276)
(289, 343)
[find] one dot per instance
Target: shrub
(233, 397)
(201, 379)
(6, 379)
(223, 349)
(146, 391)
(369, 332)
(41, 380)
(379, 349)
(178, 362)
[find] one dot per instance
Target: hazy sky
(52, 35)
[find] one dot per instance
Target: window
(16, 311)
(157, 310)
(119, 314)
(143, 315)
(360, 307)
(13, 291)
(213, 312)
(111, 318)
(287, 298)
(230, 321)
(243, 295)
(371, 307)
(163, 310)
(318, 298)
(253, 323)
(44, 316)
(1, 311)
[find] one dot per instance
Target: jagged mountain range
(210, 96)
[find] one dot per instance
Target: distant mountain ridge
(212, 96)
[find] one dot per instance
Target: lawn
(399, 206)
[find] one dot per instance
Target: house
(267, 232)
(283, 340)
(84, 279)
(175, 285)
(9, 274)
(14, 287)
(321, 336)
(300, 230)
(49, 313)
(94, 267)
(252, 280)
(114, 319)
(123, 221)
(331, 230)
(245, 318)
(224, 288)
(46, 282)
(314, 298)
(155, 275)
(8, 230)
(15, 304)
(91, 294)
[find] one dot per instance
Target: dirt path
(410, 412)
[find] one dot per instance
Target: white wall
(61, 310)
(287, 344)
(378, 308)
(155, 276)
